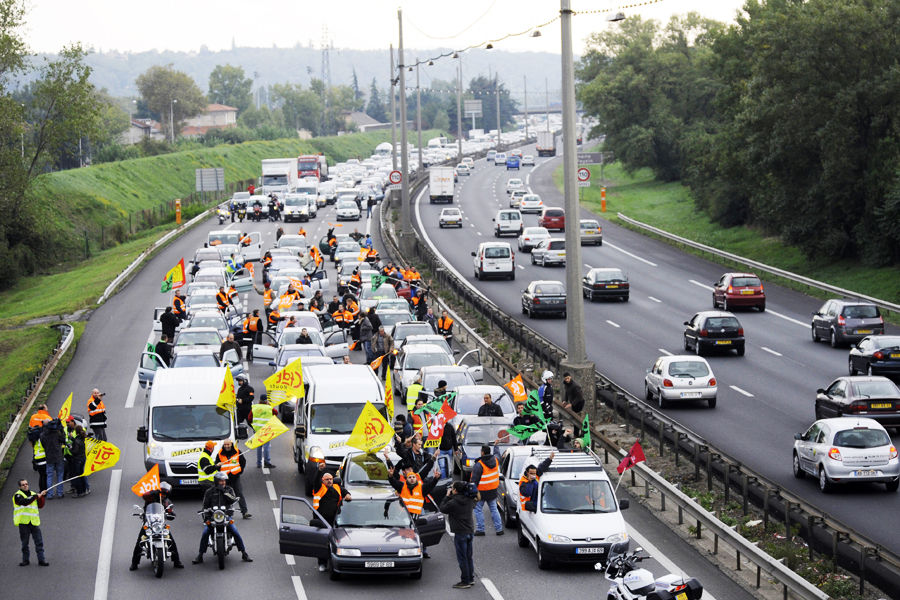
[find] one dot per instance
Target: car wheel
(600, 243)
(850, 368)
(724, 303)
(815, 336)
(532, 260)
(715, 304)
(524, 310)
(440, 225)
(762, 308)
(648, 395)
(697, 348)
(741, 350)
(512, 275)
(892, 486)
(711, 402)
(563, 314)
(825, 484)
(523, 541)
(833, 339)
(798, 472)
(496, 233)
(869, 371)
(476, 274)
(544, 561)
(625, 298)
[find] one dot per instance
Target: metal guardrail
(761, 266)
(858, 554)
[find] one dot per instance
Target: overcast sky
(186, 25)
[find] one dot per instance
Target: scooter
(156, 539)
(628, 582)
(218, 518)
(223, 214)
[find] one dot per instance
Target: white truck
(279, 176)
(440, 184)
(546, 143)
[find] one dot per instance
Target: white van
(508, 221)
(324, 418)
(181, 416)
(494, 259)
(575, 517)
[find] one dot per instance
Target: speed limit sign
(584, 177)
(395, 177)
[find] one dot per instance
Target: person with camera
(459, 505)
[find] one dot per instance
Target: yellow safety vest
(39, 453)
(25, 515)
(261, 415)
(202, 476)
(412, 394)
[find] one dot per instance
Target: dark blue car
(512, 163)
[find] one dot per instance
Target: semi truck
(279, 176)
(312, 165)
(440, 184)
(546, 143)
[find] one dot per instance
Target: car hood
(376, 539)
(598, 526)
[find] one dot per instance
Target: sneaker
(133, 567)
(197, 560)
(246, 557)
(87, 492)
(321, 568)
(270, 466)
(477, 533)
(462, 585)
(501, 532)
(247, 515)
(44, 563)
(24, 563)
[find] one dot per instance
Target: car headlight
(559, 539)
(155, 451)
(410, 551)
(617, 538)
(348, 552)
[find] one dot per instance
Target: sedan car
(873, 397)
(347, 210)
(527, 160)
(450, 217)
(845, 321)
(475, 432)
(462, 169)
(531, 237)
(713, 329)
(680, 378)
(605, 282)
(531, 203)
(553, 218)
(544, 298)
(469, 398)
(876, 355)
(591, 232)
(846, 450)
(739, 290)
(549, 252)
(514, 184)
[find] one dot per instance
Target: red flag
(634, 456)
(436, 425)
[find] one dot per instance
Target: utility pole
(406, 239)
(393, 116)
(547, 91)
(576, 361)
(459, 105)
(525, 80)
(418, 117)
(497, 93)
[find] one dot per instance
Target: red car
(553, 218)
(739, 289)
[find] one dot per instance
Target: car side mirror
(300, 431)
(242, 432)
(798, 436)
(473, 254)
(686, 323)
(142, 434)
(623, 504)
(820, 391)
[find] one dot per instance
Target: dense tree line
(787, 120)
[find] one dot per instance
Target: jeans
(367, 346)
(56, 474)
(495, 515)
(445, 467)
(463, 544)
(99, 432)
(208, 533)
(26, 530)
(262, 454)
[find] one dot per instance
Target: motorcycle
(242, 213)
(156, 539)
(218, 518)
(257, 213)
(628, 582)
(223, 214)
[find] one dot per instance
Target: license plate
(747, 292)
(681, 596)
(863, 331)
(379, 564)
(611, 287)
(881, 405)
(864, 473)
(589, 550)
(723, 343)
(895, 355)
(451, 222)
(187, 481)
(690, 394)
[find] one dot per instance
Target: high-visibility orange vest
(274, 317)
(342, 316)
(232, 464)
(267, 261)
(254, 324)
(523, 499)
(97, 411)
(267, 296)
(321, 492)
(415, 300)
(356, 277)
(178, 305)
(353, 308)
(222, 300)
(246, 325)
(414, 499)
(232, 293)
(373, 253)
(490, 477)
(38, 418)
(302, 232)
(444, 324)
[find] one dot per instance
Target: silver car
(680, 378)
(846, 450)
(591, 232)
(531, 203)
(515, 199)
(531, 237)
(549, 252)
(450, 217)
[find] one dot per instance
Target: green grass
(669, 206)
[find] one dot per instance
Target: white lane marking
(478, 232)
(491, 589)
(616, 325)
(661, 558)
(132, 391)
(275, 510)
(740, 391)
(301, 593)
(634, 256)
(770, 351)
(654, 299)
(270, 487)
(588, 266)
(664, 351)
(265, 470)
(289, 559)
(232, 225)
(787, 318)
(703, 285)
(101, 582)
(521, 267)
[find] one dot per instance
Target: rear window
(615, 275)
(874, 389)
(861, 438)
(887, 342)
(549, 289)
(554, 212)
(746, 282)
(590, 225)
(861, 311)
(514, 216)
(689, 368)
(725, 322)
(496, 252)
(557, 245)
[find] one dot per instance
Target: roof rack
(566, 460)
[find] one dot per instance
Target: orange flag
(377, 362)
(148, 482)
(517, 387)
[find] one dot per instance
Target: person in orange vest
(267, 260)
(413, 490)
(327, 499)
(231, 462)
(232, 294)
(97, 414)
(528, 486)
(486, 477)
(302, 231)
(252, 329)
(355, 281)
(445, 326)
(178, 306)
(38, 418)
(222, 299)
(245, 239)
(275, 318)
(342, 317)
(352, 307)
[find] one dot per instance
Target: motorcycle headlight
(410, 551)
(559, 539)
(155, 451)
(156, 527)
(348, 552)
(219, 516)
(617, 538)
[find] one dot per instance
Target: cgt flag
(271, 430)
(436, 425)
(227, 399)
(288, 379)
(100, 455)
(371, 432)
(389, 395)
(148, 482)
(517, 387)
(66, 409)
(174, 279)
(634, 456)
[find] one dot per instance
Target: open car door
(241, 280)
(150, 362)
(337, 344)
(157, 312)
(473, 357)
(266, 351)
(253, 251)
(430, 524)
(301, 530)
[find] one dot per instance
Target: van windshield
(577, 496)
(337, 418)
(190, 423)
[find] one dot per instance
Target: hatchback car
(462, 169)
(544, 298)
(450, 217)
(739, 290)
(531, 203)
(531, 237)
(549, 252)
(605, 282)
(591, 232)
(512, 162)
(553, 218)
(680, 378)
(873, 397)
(527, 160)
(514, 184)
(347, 210)
(515, 199)
(876, 355)
(846, 450)
(844, 321)
(714, 330)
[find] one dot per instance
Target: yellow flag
(271, 430)
(389, 395)
(100, 455)
(371, 432)
(288, 379)
(227, 398)
(66, 409)
(517, 387)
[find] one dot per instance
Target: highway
(764, 397)
(89, 540)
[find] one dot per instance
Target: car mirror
(820, 391)
(686, 323)
(798, 436)
(242, 432)
(623, 504)
(142, 435)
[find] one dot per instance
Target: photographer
(458, 506)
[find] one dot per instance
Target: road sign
(209, 180)
(590, 158)
(472, 108)
(584, 177)
(395, 177)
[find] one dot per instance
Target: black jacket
(216, 496)
(52, 439)
(226, 345)
(574, 396)
(448, 440)
(246, 395)
(164, 350)
(169, 322)
(458, 509)
(490, 410)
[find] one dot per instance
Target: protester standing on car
(26, 516)
(97, 414)
(545, 394)
(486, 477)
(458, 505)
(489, 409)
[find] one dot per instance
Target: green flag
(532, 406)
(166, 285)
(586, 433)
(377, 280)
(523, 432)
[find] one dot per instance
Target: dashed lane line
(787, 318)
(101, 581)
(703, 285)
(491, 589)
(654, 299)
(270, 487)
(664, 351)
(616, 325)
(298, 587)
(740, 391)
(770, 351)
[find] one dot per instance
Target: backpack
(34, 434)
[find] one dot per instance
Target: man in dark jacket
(458, 505)
(220, 495)
(449, 446)
(489, 409)
(522, 418)
(245, 397)
(528, 483)
(230, 344)
(413, 457)
(232, 462)
(164, 349)
(53, 439)
(486, 478)
(169, 322)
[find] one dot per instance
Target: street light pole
(406, 228)
(418, 117)
(497, 93)
(172, 117)
(525, 80)
(576, 361)
(393, 116)
(459, 105)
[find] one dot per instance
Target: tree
(166, 91)
(376, 108)
(229, 86)
(357, 93)
(484, 89)
(301, 108)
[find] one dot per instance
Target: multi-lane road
(89, 540)
(764, 397)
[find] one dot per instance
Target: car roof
(200, 329)
(714, 313)
(423, 349)
(839, 422)
(743, 275)
(187, 385)
(849, 302)
(546, 281)
(674, 357)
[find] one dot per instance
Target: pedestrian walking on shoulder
(97, 414)
(53, 439)
(26, 516)
(458, 505)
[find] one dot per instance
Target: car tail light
(712, 382)
(537, 300)
(834, 454)
(842, 320)
(857, 406)
(740, 331)
(624, 285)
(667, 383)
(893, 452)
(879, 355)
(730, 290)
(704, 333)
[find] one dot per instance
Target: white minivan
(494, 259)
(508, 222)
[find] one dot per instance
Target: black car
(876, 355)
(846, 321)
(605, 283)
(871, 397)
(544, 298)
(713, 330)
(475, 432)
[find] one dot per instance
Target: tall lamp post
(393, 116)
(406, 238)
(172, 117)
(458, 103)
(418, 117)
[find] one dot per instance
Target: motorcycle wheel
(159, 564)
(220, 551)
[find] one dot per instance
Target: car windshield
(383, 292)
(861, 438)
(392, 304)
(531, 198)
(469, 403)
(533, 231)
(366, 469)
(746, 282)
(292, 241)
(450, 213)
(190, 423)
(291, 336)
(411, 329)
(509, 217)
(518, 465)
(206, 296)
(306, 189)
(348, 246)
(389, 319)
(722, 322)
(389, 512)
(875, 389)
(453, 379)
(290, 355)
(338, 418)
(554, 213)
(211, 321)
(496, 252)
(514, 182)
(223, 237)
(477, 435)
(549, 289)
(861, 311)
(195, 360)
(577, 496)
(198, 338)
(216, 279)
(295, 201)
(346, 204)
(688, 368)
(420, 359)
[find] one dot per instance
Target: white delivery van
(508, 221)
(181, 416)
(493, 259)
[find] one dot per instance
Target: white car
(450, 217)
(494, 258)
(515, 198)
(680, 378)
(549, 252)
(463, 169)
(469, 162)
(531, 237)
(507, 221)
(531, 203)
(347, 210)
(514, 184)
(527, 160)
